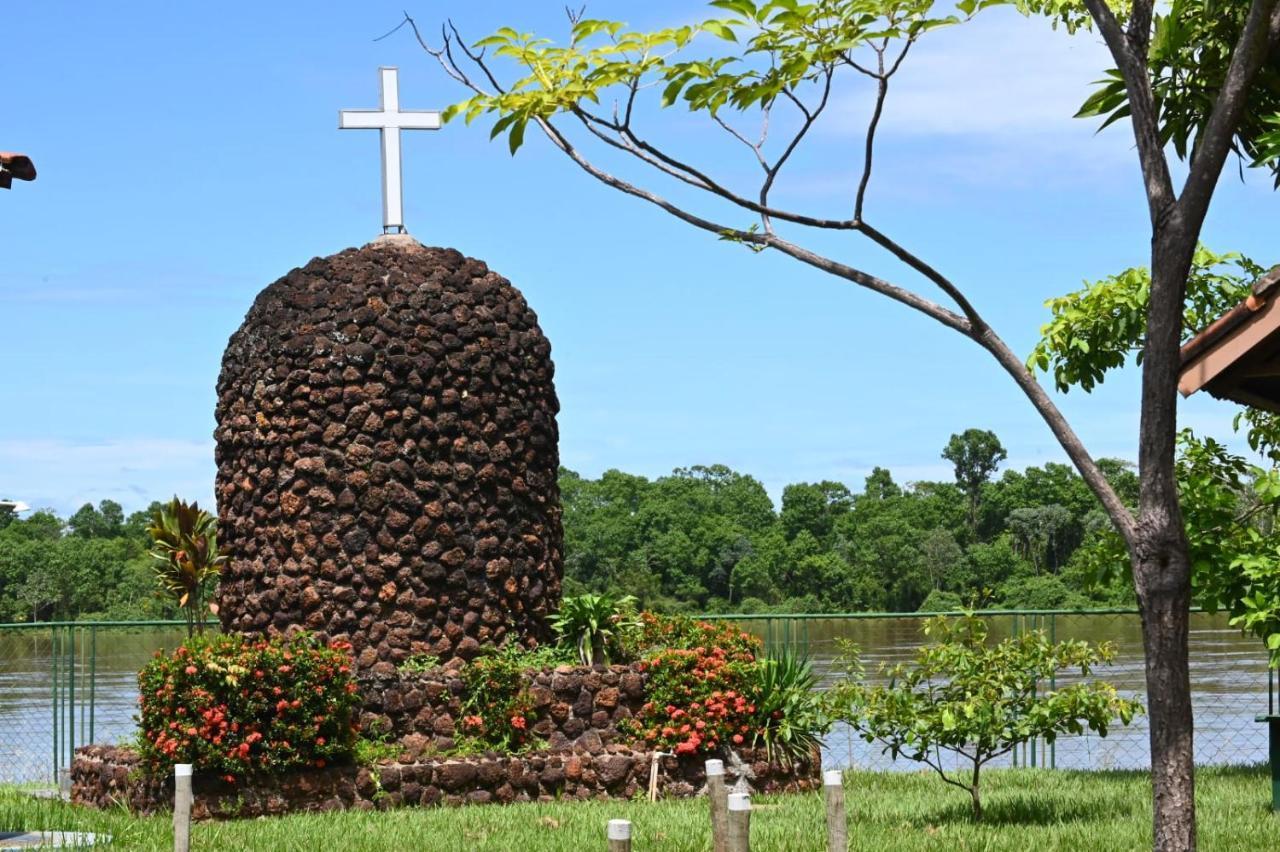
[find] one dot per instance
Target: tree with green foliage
(1185, 75)
(815, 507)
(979, 700)
(976, 453)
(105, 521)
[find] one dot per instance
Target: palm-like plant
(592, 622)
(185, 557)
(792, 718)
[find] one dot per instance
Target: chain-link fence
(1229, 680)
(66, 685)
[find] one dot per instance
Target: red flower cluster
(661, 632)
(233, 706)
(696, 700)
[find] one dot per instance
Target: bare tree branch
(971, 324)
(1139, 30)
(630, 142)
(1146, 132)
(882, 92)
(810, 116)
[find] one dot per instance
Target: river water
(1228, 673)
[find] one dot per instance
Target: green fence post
(71, 695)
(1032, 743)
(93, 677)
(1053, 686)
(53, 685)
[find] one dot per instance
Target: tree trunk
(1162, 577)
(1161, 564)
(974, 792)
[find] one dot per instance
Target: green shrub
(418, 663)
(652, 633)
(232, 706)
(498, 711)
(791, 716)
(979, 701)
(592, 624)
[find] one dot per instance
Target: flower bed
(232, 705)
(106, 776)
(270, 725)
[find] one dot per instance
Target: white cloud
(1002, 74)
(993, 100)
(64, 474)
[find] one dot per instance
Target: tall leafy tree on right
(1198, 81)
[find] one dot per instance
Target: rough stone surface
(387, 457)
(107, 776)
(577, 707)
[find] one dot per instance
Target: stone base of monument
(576, 706)
(582, 752)
(107, 776)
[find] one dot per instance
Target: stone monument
(387, 451)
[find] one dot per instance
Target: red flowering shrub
(665, 632)
(232, 705)
(498, 710)
(700, 676)
(699, 699)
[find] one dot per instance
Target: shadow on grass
(1029, 809)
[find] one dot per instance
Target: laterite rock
(387, 427)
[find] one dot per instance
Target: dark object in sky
(1238, 357)
(15, 166)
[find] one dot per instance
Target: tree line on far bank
(710, 539)
(705, 539)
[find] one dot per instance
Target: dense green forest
(710, 539)
(93, 565)
(704, 539)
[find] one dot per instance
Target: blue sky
(188, 157)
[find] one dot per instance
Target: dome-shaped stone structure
(387, 457)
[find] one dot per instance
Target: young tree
(976, 453)
(979, 700)
(1191, 87)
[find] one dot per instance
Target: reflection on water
(1228, 674)
(99, 705)
(1228, 683)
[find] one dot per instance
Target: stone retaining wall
(104, 776)
(575, 705)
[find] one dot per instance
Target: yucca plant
(186, 558)
(591, 623)
(791, 713)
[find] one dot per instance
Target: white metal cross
(389, 120)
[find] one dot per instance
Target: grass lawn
(1027, 810)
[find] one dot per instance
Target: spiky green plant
(791, 713)
(186, 558)
(592, 623)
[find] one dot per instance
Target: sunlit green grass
(1027, 810)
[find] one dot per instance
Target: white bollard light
(833, 799)
(182, 807)
(739, 822)
(619, 834)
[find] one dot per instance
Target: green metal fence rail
(67, 684)
(1231, 681)
(52, 699)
